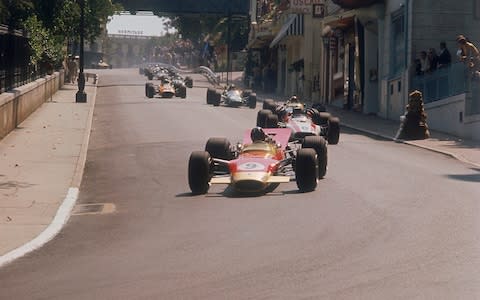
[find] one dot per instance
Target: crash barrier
(17, 104)
(213, 78)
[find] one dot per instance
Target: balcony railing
(447, 82)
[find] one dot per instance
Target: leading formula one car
(301, 121)
(259, 164)
(232, 96)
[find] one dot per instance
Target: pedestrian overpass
(181, 7)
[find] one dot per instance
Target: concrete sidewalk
(467, 151)
(41, 167)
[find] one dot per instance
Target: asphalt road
(389, 221)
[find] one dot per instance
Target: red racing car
(259, 164)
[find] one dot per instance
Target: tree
(14, 12)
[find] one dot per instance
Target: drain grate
(93, 209)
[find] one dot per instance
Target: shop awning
(293, 26)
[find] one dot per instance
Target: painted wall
(448, 115)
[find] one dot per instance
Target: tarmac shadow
(467, 177)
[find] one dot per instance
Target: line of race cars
(170, 83)
(289, 143)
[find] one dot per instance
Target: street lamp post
(81, 96)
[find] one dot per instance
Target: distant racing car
(232, 96)
(265, 159)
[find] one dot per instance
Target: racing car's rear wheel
(150, 90)
(320, 146)
(210, 93)
(252, 100)
(262, 117)
(199, 172)
(272, 121)
(269, 104)
(306, 169)
(219, 148)
(216, 99)
(333, 130)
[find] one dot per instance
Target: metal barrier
(15, 66)
(442, 83)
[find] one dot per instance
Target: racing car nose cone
(250, 181)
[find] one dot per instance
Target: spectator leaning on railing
(468, 53)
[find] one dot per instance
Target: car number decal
(251, 166)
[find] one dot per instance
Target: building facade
(360, 55)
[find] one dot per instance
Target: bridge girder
(180, 7)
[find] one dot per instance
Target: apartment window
(397, 53)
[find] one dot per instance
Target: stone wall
(16, 105)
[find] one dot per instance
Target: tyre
(219, 148)
(216, 98)
(262, 117)
(320, 146)
(188, 82)
(182, 92)
(252, 100)
(150, 91)
(333, 130)
(323, 118)
(269, 104)
(210, 95)
(246, 93)
(150, 76)
(306, 169)
(272, 121)
(199, 172)
(146, 88)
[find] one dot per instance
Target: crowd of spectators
(429, 60)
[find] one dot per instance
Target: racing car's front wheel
(149, 90)
(210, 93)
(272, 121)
(320, 146)
(199, 172)
(217, 97)
(182, 92)
(188, 81)
(219, 148)
(306, 169)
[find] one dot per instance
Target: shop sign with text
(304, 6)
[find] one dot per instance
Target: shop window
(397, 53)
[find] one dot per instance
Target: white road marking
(61, 218)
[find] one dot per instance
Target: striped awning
(292, 26)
